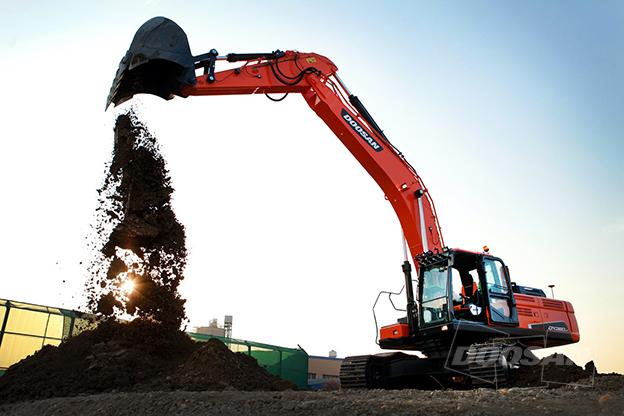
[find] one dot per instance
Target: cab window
(498, 290)
(434, 302)
(495, 277)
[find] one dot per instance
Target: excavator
(465, 321)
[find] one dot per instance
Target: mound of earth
(137, 356)
(214, 365)
(555, 369)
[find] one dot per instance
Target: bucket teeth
(159, 62)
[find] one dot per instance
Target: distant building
(213, 329)
(324, 371)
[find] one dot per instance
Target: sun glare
(127, 287)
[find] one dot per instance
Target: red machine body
(538, 312)
(534, 313)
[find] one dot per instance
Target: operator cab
(466, 298)
(464, 285)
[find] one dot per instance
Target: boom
(315, 78)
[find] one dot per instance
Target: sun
(127, 287)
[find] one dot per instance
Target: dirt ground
(605, 398)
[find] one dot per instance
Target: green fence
(25, 328)
(287, 363)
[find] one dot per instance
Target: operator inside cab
(465, 291)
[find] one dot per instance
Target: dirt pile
(214, 365)
(140, 245)
(555, 370)
(135, 356)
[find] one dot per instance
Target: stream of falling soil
(141, 252)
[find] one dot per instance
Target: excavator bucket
(158, 62)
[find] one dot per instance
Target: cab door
(499, 296)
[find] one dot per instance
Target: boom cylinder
(409, 291)
(421, 215)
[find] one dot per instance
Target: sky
(510, 112)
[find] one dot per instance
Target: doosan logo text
(360, 130)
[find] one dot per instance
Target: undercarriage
(478, 365)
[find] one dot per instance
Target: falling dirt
(137, 272)
(140, 244)
(135, 356)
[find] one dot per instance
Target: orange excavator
(470, 322)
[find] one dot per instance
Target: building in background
(324, 372)
(214, 329)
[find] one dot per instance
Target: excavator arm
(164, 68)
